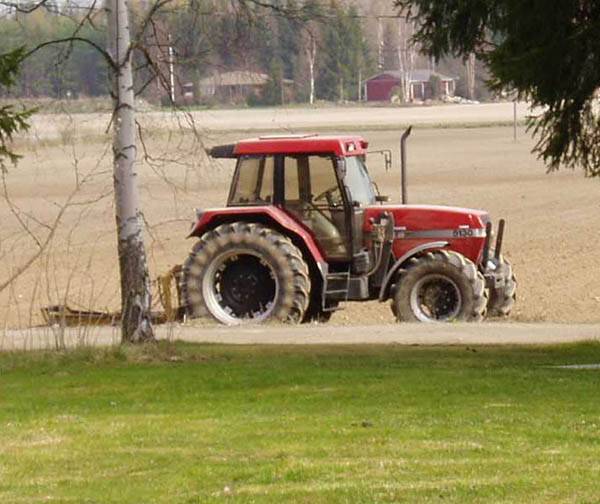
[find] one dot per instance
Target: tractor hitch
(169, 296)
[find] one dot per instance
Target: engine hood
(428, 217)
(459, 229)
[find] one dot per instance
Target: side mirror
(382, 199)
(387, 157)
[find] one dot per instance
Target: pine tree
(345, 55)
(12, 121)
(274, 90)
(550, 56)
(288, 40)
(330, 71)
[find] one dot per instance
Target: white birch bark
(406, 57)
(380, 63)
(311, 54)
(470, 68)
(135, 283)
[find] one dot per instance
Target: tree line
(321, 49)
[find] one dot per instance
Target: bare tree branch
(102, 51)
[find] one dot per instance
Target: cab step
(336, 289)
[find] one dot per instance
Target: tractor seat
(326, 232)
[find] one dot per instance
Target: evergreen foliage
(550, 56)
(11, 120)
(436, 86)
(274, 90)
(56, 70)
(345, 58)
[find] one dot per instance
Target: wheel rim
(435, 298)
(240, 286)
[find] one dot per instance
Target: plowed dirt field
(553, 219)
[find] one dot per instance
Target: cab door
(360, 194)
(313, 193)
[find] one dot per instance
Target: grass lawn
(203, 423)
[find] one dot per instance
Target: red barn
(380, 86)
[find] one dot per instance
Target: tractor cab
(320, 181)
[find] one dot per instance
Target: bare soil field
(553, 219)
(355, 118)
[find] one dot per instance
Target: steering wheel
(328, 195)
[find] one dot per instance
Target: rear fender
(273, 217)
(384, 292)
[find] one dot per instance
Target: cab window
(253, 181)
(358, 182)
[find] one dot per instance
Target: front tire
(503, 298)
(245, 272)
(440, 286)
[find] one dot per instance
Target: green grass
(201, 423)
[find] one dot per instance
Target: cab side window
(253, 181)
(323, 182)
(291, 180)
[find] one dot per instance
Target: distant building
(235, 86)
(380, 86)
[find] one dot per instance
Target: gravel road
(322, 334)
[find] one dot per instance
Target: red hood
(463, 229)
(417, 217)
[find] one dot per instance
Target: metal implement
(169, 298)
(64, 316)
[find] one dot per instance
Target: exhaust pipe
(403, 163)
(499, 239)
(486, 246)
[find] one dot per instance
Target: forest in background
(345, 43)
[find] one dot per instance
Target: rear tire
(245, 272)
(440, 286)
(503, 299)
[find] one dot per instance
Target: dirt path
(324, 334)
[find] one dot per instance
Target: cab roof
(339, 145)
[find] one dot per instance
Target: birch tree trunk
(470, 67)
(312, 54)
(406, 58)
(135, 283)
(380, 62)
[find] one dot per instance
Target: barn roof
(237, 78)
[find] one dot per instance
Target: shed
(380, 86)
(235, 85)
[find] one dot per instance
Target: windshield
(358, 182)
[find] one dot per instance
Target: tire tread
(294, 303)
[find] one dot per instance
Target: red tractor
(305, 229)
